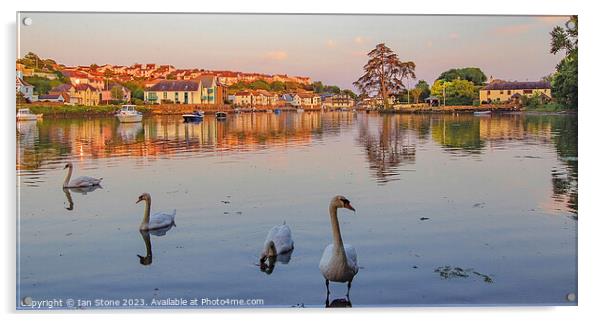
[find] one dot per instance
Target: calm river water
(451, 210)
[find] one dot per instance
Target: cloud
(513, 29)
(454, 35)
(277, 55)
(359, 40)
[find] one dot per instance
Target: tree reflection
(387, 149)
(458, 133)
(565, 140)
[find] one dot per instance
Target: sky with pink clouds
(331, 48)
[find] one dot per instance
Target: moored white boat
(129, 114)
(482, 112)
(24, 114)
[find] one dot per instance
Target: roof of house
(176, 86)
(49, 97)
(517, 85)
(83, 87)
(23, 82)
(62, 88)
(208, 81)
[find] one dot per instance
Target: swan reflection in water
(268, 263)
(80, 190)
(341, 302)
(148, 259)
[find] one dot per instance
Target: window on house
(164, 95)
(509, 92)
(528, 91)
(488, 92)
(501, 92)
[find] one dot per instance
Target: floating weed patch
(448, 272)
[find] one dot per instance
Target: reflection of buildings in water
(389, 148)
(105, 137)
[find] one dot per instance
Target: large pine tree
(384, 74)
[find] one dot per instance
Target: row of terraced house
(263, 98)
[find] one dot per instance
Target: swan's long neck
(146, 217)
(68, 177)
(337, 240)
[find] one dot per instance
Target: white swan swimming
(278, 241)
(339, 261)
(78, 182)
(157, 220)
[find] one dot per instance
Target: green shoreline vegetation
(62, 110)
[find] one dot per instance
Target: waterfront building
(505, 91)
(338, 101)
(25, 88)
(203, 90)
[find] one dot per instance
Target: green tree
(42, 85)
(117, 93)
(277, 86)
(349, 93)
(565, 38)
(472, 74)
(332, 89)
(564, 81)
(136, 88)
(259, 84)
(457, 92)
(425, 89)
(383, 73)
(317, 87)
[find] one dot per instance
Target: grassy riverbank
(77, 110)
(548, 108)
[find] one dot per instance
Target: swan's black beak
(139, 199)
(66, 166)
(348, 206)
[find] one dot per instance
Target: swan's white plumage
(83, 181)
(161, 220)
(282, 237)
(333, 268)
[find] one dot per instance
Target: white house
(26, 89)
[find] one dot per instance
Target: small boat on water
(24, 114)
(237, 111)
(195, 116)
(482, 112)
(221, 115)
(300, 110)
(128, 114)
(277, 111)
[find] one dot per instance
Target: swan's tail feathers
(174, 214)
(99, 179)
(284, 222)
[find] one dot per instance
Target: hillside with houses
(46, 81)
